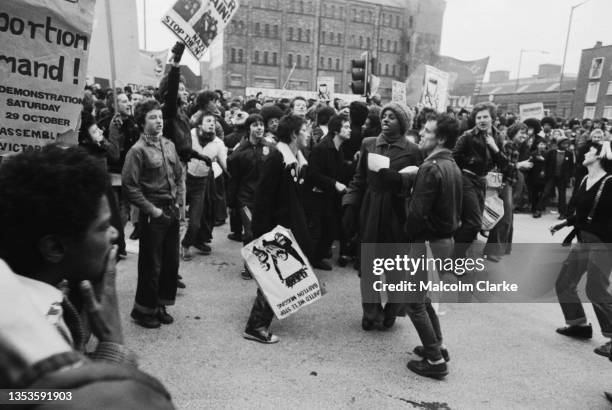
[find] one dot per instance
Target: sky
(475, 29)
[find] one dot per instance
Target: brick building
(267, 38)
(543, 87)
(593, 98)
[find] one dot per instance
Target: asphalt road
(502, 355)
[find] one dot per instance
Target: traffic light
(359, 76)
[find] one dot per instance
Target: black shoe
(343, 261)
(367, 324)
(234, 237)
(203, 248)
(180, 284)
(420, 351)
(245, 274)
(604, 350)
(322, 264)
(145, 320)
(537, 214)
(135, 233)
(577, 331)
(163, 316)
(608, 396)
(388, 322)
(260, 336)
(424, 368)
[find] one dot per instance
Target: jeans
(594, 257)
(422, 313)
(500, 237)
(158, 260)
(549, 190)
(471, 214)
(198, 212)
(261, 314)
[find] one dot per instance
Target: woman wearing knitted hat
(374, 204)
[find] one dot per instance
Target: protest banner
(152, 66)
(398, 92)
(43, 64)
(465, 78)
(325, 88)
(532, 110)
(198, 22)
(282, 271)
(435, 89)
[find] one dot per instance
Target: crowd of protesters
(198, 159)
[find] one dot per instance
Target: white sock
(436, 362)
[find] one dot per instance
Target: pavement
(502, 355)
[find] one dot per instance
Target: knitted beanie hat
(402, 112)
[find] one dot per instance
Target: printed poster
(435, 89)
(198, 22)
(398, 92)
(532, 110)
(282, 271)
(43, 65)
(325, 88)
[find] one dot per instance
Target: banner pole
(111, 51)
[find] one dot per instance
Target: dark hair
(606, 163)
(204, 98)
(514, 129)
(324, 113)
(550, 121)
(481, 107)
(162, 90)
(52, 191)
(141, 110)
(299, 97)
(534, 124)
(447, 127)
(253, 118)
(287, 126)
(335, 123)
(375, 126)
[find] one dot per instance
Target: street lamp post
(518, 71)
(569, 26)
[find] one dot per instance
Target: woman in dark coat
(374, 204)
(278, 202)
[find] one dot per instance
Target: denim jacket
(151, 175)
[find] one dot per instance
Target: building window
(307, 62)
(592, 92)
(308, 35)
(257, 29)
(352, 43)
(360, 42)
(388, 45)
(299, 34)
(240, 55)
(589, 112)
(339, 39)
(607, 112)
(609, 91)
(233, 55)
(379, 68)
(290, 60)
(369, 42)
(323, 37)
(275, 31)
(370, 19)
(383, 18)
(274, 58)
(596, 67)
(341, 12)
(235, 80)
(267, 30)
(331, 38)
(256, 57)
(354, 14)
(337, 64)
(333, 11)
(299, 60)
(410, 21)
(408, 47)
(397, 21)
(290, 33)
(380, 43)
(329, 63)
(362, 15)
(386, 69)
(393, 71)
(322, 62)
(265, 57)
(395, 46)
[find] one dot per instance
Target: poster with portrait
(282, 271)
(325, 88)
(435, 89)
(596, 67)
(198, 22)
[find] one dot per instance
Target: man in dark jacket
(433, 215)
(477, 152)
(559, 168)
(244, 165)
(322, 189)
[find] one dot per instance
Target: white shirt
(215, 150)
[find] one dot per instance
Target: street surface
(502, 355)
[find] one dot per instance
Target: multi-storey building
(289, 43)
(593, 98)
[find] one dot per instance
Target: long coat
(381, 210)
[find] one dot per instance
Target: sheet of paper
(410, 169)
(216, 168)
(376, 162)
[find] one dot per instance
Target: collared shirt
(48, 301)
(152, 174)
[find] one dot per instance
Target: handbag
(493, 212)
(494, 179)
